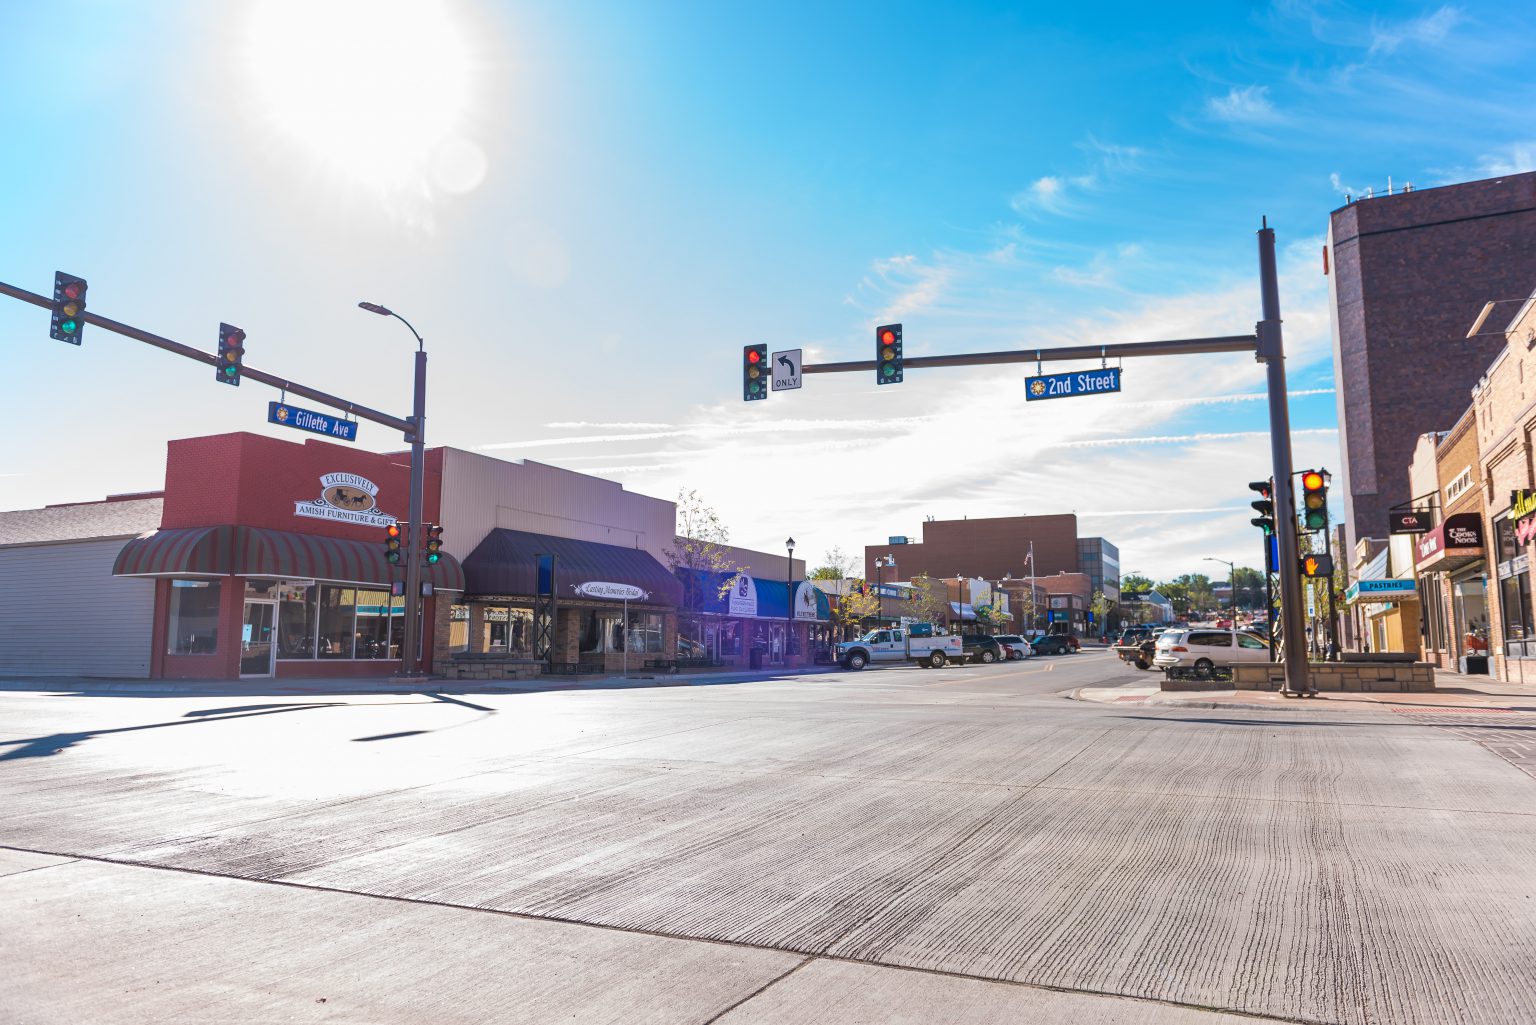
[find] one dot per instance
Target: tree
(1135, 582)
(1101, 606)
(1189, 593)
(836, 565)
(1250, 588)
(929, 600)
(857, 603)
(701, 547)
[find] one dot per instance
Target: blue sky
(588, 209)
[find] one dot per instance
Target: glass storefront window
(1471, 609)
(193, 627)
(645, 633)
(1515, 604)
(601, 631)
(507, 629)
(378, 633)
(338, 621)
(458, 629)
(296, 621)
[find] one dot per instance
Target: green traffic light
(69, 327)
(888, 370)
(231, 371)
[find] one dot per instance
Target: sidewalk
(389, 685)
(1454, 692)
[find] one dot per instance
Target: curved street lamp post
(415, 534)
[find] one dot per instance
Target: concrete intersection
(893, 845)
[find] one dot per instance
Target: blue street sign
(309, 420)
(1077, 382)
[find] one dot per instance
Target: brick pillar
(477, 628)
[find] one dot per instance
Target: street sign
(308, 420)
(1415, 522)
(786, 370)
(1078, 382)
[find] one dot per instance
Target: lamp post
(881, 561)
(789, 598)
(415, 535)
(1232, 596)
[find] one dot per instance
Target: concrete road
(898, 845)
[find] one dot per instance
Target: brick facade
(1409, 274)
(990, 548)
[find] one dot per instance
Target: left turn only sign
(786, 369)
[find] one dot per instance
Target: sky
(588, 208)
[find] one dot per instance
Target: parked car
(1017, 646)
(983, 648)
(1204, 652)
(1052, 644)
(920, 643)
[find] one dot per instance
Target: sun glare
(376, 92)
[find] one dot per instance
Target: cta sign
(1413, 522)
(1061, 386)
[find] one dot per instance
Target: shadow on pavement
(54, 743)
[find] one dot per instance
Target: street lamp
(881, 561)
(789, 597)
(1232, 595)
(415, 535)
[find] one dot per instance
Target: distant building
(1147, 607)
(995, 548)
(1100, 560)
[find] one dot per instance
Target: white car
(1017, 646)
(1204, 651)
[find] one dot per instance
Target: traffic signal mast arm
(212, 359)
(1121, 350)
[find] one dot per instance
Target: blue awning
(763, 599)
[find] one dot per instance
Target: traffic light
(754, 370)
(431, 547)
(888, 361)
(68, 306)
(392, 538)
(1265, 506)
(1314, 500)
(231, 352)
(1317, 566)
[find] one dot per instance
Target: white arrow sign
(786, 369)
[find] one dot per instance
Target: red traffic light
(887, 336)
(392, 531)
(1311, 480)
(753, 356)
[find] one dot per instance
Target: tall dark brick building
(999, 546)
(1408, 275)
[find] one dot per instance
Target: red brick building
(1408, 274)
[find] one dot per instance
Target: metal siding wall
(62, 613)
(481, 493)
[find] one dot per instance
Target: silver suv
(1203, 652)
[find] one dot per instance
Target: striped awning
(256, 552)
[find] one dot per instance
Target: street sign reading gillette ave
(308, 420)
(1077, 382)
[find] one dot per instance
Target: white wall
(481, 493)
(63, 613)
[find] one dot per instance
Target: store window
(1515, 606)
(338, 620)
(296, 621)
(193, 627)
(645, 633)
(1470, 604)
(380, 624)
(458, 629)
(601, 632)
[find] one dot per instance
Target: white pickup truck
(918, 644)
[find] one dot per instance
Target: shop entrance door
(256, 648)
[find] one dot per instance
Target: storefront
(1513, 532)
(1389, 611)
(1452, 564)
(270, 561)
(740, 620)
(561, 603)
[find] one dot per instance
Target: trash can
(1474, 665)
(755, 659)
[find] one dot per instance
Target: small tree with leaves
(701, 547)
(836, 565)
(1101, 606)
(856, 604)
(928, 601)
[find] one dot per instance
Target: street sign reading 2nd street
(1077, 382)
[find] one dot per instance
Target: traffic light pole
(416, 547)
(1272, 351)
(412, 428)
(1267, 346)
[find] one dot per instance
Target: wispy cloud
(1179, 439)
(1429, 30)
(1249, 105)
(611, 425)
(918, 285)
(1062, 194)
(1516, 158)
